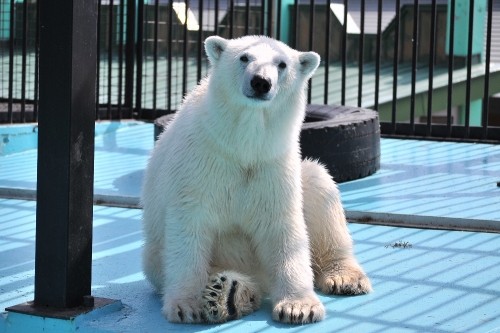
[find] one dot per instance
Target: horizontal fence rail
(426, 75)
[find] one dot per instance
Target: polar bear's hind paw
(229, 296)
(345, 279)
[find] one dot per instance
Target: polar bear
(231, 213)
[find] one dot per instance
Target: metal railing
(391, 56)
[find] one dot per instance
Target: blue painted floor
(447, 281)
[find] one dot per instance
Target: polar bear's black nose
(260, 85)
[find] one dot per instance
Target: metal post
(68, 49)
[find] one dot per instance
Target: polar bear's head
(259, 69)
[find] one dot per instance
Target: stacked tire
(345, 139)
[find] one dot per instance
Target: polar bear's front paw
(183, 311)
(302, 311)
(229, 296)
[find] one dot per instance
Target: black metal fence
(428, 76)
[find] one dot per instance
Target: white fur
(225, 190)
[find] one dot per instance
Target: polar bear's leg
(284, 254)
(336, 270)
(229, 295)
(152, 263)
(186, 271)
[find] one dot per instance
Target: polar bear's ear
(309, 61)
(214, 46)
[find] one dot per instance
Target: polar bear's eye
(282, 65)
(244, 58)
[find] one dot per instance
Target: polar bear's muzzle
(260, 85)
(259, 88)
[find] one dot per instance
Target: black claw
(203, 317)
(223, 278)
(281, 314)
(213, 294)
(180, 314)
(311, 315)
(217, 286)
(231, 307)
(301, 316)
(252, 299)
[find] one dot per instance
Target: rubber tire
(161, 123)
(345, 139)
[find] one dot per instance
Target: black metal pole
(344, 56)
(414, 65)
(432, 57)
(377, 53)
(395, 64)
(486, 96)
(65, 152)
(361, 53)
(451, 56)
(311, 43)
(328, 13)
(469, 68)
(10, 115)
(130, 55)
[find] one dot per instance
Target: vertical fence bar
(98, 60)
(262, 17)
(395, 68)
(216, 18)
(120, 57)
(377, 53)
(344, 55)
(327, 51)
(130, 55)
(270, 18)
(110, 58)
(311, 44)
(432, 56)
(185, 50)
(155, 55)
(296, 23)
(486, 96)
(231, 19)
(10, 115)
(37, 61)
(451, 54)
(199, 55)
(469, 68)
(23, 60)
(63, 259)
(247, 16)
(170, 54)
(278, 20)
(414, 61)
(361, 53)
(140, 55)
